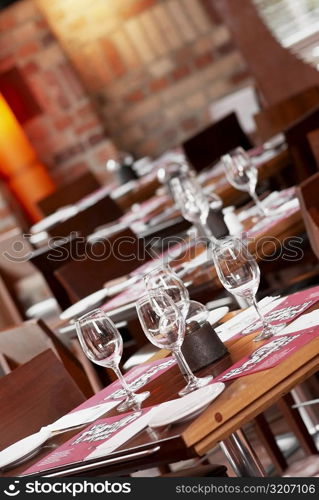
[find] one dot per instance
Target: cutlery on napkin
(24, 447)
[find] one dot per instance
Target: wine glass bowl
(102, 343)
(163, 277)
(164, 326)
(242, 174)
(239, 273)
(191, 200)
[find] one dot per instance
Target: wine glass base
(133, 402)
(267, 333)
(195, 384)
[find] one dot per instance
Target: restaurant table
(143, 189)
(269, 165)
(243, 399)
(261, 244)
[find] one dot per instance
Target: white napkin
(24, 447)
(238, 323)
(265, 156)
(121, 437)
(82, 417)
(59, 216)
(121, 190)
(302, 323)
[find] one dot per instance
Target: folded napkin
(27, 445)
(24, 447)
(304, 322)
(81, 417)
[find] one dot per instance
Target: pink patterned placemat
(80, 447)
(287, 311)
(137, 377)
(270, 354)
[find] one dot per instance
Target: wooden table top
(241, 401)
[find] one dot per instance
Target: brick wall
(67, 134)
(152, 67)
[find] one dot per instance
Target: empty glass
(191, 200)
(163, 277)
(164, 326)
(239, 273)
(242, 174)
(102, 343)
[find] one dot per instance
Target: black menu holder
(201, 345)
(216, 223)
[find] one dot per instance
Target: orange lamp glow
(19, 166)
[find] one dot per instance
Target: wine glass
(242, 174)
(191, 200)
(102, 343)
(164, 326)
(163, 277)
(239, 273)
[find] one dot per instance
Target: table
(204, 277)
(243, 399)
(147, 186)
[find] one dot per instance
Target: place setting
(159, 246)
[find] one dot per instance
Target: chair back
(105, 260)
(297, 140)
(15, 250)
(69, 193)
(58, 253)
(9, 312)
(313, 139)
(34, 395)
(23, 342)
(84, 222)
(309, 204)
(274, 119)
(206, 147)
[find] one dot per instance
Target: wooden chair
(275, 119)
(58, 253)
(23, 342)
(296, 137)
(309, 204)
(206, 147)
(313, 139)
(9, 312)
(84, 222)
(14, 252)
(117, 256)
(23, 280)
(69, 193)
(34, 395)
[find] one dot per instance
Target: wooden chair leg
(296, 424)
(268, 441)
(5, 368)
(87, 366)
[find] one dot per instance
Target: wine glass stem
(123, 381)
(207, 230)
(260, 314)
(182, 363)
(259, 205)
